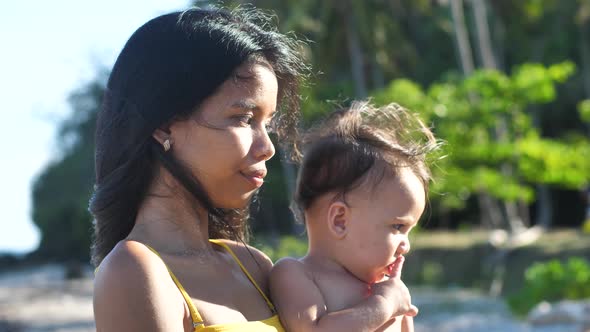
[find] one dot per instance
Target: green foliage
(536, 82)
(492, 145)
(62, 190)
(584, 110)
(287, 246)
(566, 163)
(403, 92)
(432, 273)
(552, 281)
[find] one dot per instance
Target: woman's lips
(256, 178)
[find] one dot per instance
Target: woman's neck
(171, 222)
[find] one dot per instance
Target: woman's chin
(241, 202)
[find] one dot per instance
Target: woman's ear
(338, 219)
(161, 135)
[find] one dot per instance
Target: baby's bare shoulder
(290, 265)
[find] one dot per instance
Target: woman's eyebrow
(250, 106)
(245, 105)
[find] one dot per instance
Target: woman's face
(225, 143)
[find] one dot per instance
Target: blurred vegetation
(62, 190)
(285, 246)
(484, 122)
(514, 111)
(552, 281)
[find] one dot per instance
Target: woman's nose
(264, 147)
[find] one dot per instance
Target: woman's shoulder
(130, 260)
(132, 276)
(253, 259)
(131, 267)
(134, 291)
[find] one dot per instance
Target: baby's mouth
(394, 269)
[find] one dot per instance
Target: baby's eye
(398, 227)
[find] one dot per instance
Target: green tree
(464, 113)
(62, 190)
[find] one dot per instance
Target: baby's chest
(344, 293)
(341, 293)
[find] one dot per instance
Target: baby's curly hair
(360, 144)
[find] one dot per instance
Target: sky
(48, 49)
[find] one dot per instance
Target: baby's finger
(395, 270)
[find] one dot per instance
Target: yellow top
(272, 324)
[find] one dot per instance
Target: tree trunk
(499, 39)
(544, 203)
(461, 37)
(544, 207)
(290, 176)
(483, 34)
(513, 219)
(378, 79)
(490, 212)
(355, 53)
(585, 55)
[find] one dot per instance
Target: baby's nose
(404, 247)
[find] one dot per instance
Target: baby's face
(381, 220)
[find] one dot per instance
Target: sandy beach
(39, 299)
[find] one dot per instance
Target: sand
(39, 299)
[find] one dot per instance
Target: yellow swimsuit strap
(221, 243)
(195, 316)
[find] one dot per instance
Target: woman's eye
(244, 119)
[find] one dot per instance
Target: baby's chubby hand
(395, 293)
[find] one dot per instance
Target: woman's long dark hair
(166, 69)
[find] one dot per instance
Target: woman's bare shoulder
(246, 252)
(254, 260)
(129, 261)
(133, 288)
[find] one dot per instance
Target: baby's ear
(338, 219)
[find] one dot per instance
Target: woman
(181, 147)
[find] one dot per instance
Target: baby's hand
(395, 291)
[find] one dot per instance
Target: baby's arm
(302, 308)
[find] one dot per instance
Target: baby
(360, 190)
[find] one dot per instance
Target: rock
(563, 312)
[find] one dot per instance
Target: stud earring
(166, 145)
